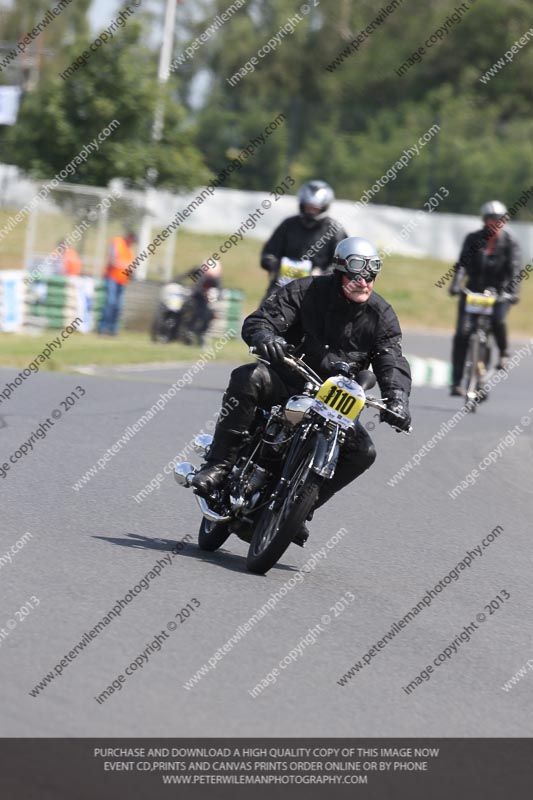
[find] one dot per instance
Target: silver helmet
(318, 194)
(493, 209)
(357, 258)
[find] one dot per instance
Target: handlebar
(310, 375)
(500, 296)
(297, 364)
(373, 403)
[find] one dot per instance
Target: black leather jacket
(483, 271)
(294, 240)
(315, 316)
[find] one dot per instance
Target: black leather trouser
(255, 385)
(465, 324)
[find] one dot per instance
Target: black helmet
(318, 194)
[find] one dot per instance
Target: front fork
(323, 458)
(327, 451)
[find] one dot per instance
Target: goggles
(359, 267)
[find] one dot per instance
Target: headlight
(296, 407)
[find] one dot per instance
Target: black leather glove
(514, 299)
(269, 346)
(454, 290)
(270, 262)
(397, 402)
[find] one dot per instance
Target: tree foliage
(350, 124)
(118, 82)
(347, 125)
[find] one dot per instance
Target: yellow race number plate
(340, 400)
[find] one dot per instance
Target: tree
(117, 82)
(349, 124)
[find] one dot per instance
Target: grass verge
(18, 350)
(407, 283)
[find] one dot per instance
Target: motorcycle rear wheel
(212, 535)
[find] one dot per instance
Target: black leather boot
(222, 456)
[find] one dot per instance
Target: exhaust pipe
(183, 473)
(202, 442)
(212, 516)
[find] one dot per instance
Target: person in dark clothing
(197, 314)
(303, 244)
(330, 318)
(490, 258)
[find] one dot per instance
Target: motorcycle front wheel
(276, 528)
(163, 328)
(212, 535)
(471, 372)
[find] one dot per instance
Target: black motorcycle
(291, 450)
(167, 319)
(184, 313)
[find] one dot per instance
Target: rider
(197, 310)
(330, 318)
(490, 257)
(309, 237)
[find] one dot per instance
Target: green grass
(407, 283)
(18, 350)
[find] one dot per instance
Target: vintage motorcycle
(480, 305)
(290, 451)
(184, 312)
(167, 318)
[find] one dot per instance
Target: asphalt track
(90, 547)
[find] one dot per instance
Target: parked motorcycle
(167, 319)
(290, 451)
(184, 313)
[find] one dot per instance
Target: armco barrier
(228, 313)
(227, 309)
(55, 301)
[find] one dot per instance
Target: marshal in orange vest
(120, 258)
(71, 262)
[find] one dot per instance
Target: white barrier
(438, 235)
(11, 300)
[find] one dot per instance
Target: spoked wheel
(212, 535)
(483, 367)
(471, 372)
(163, 328)
(277, 526)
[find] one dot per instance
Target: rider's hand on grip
(454, 290)
(397, 413)
(270, 262)
(269, 346)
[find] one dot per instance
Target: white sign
(9, 104)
